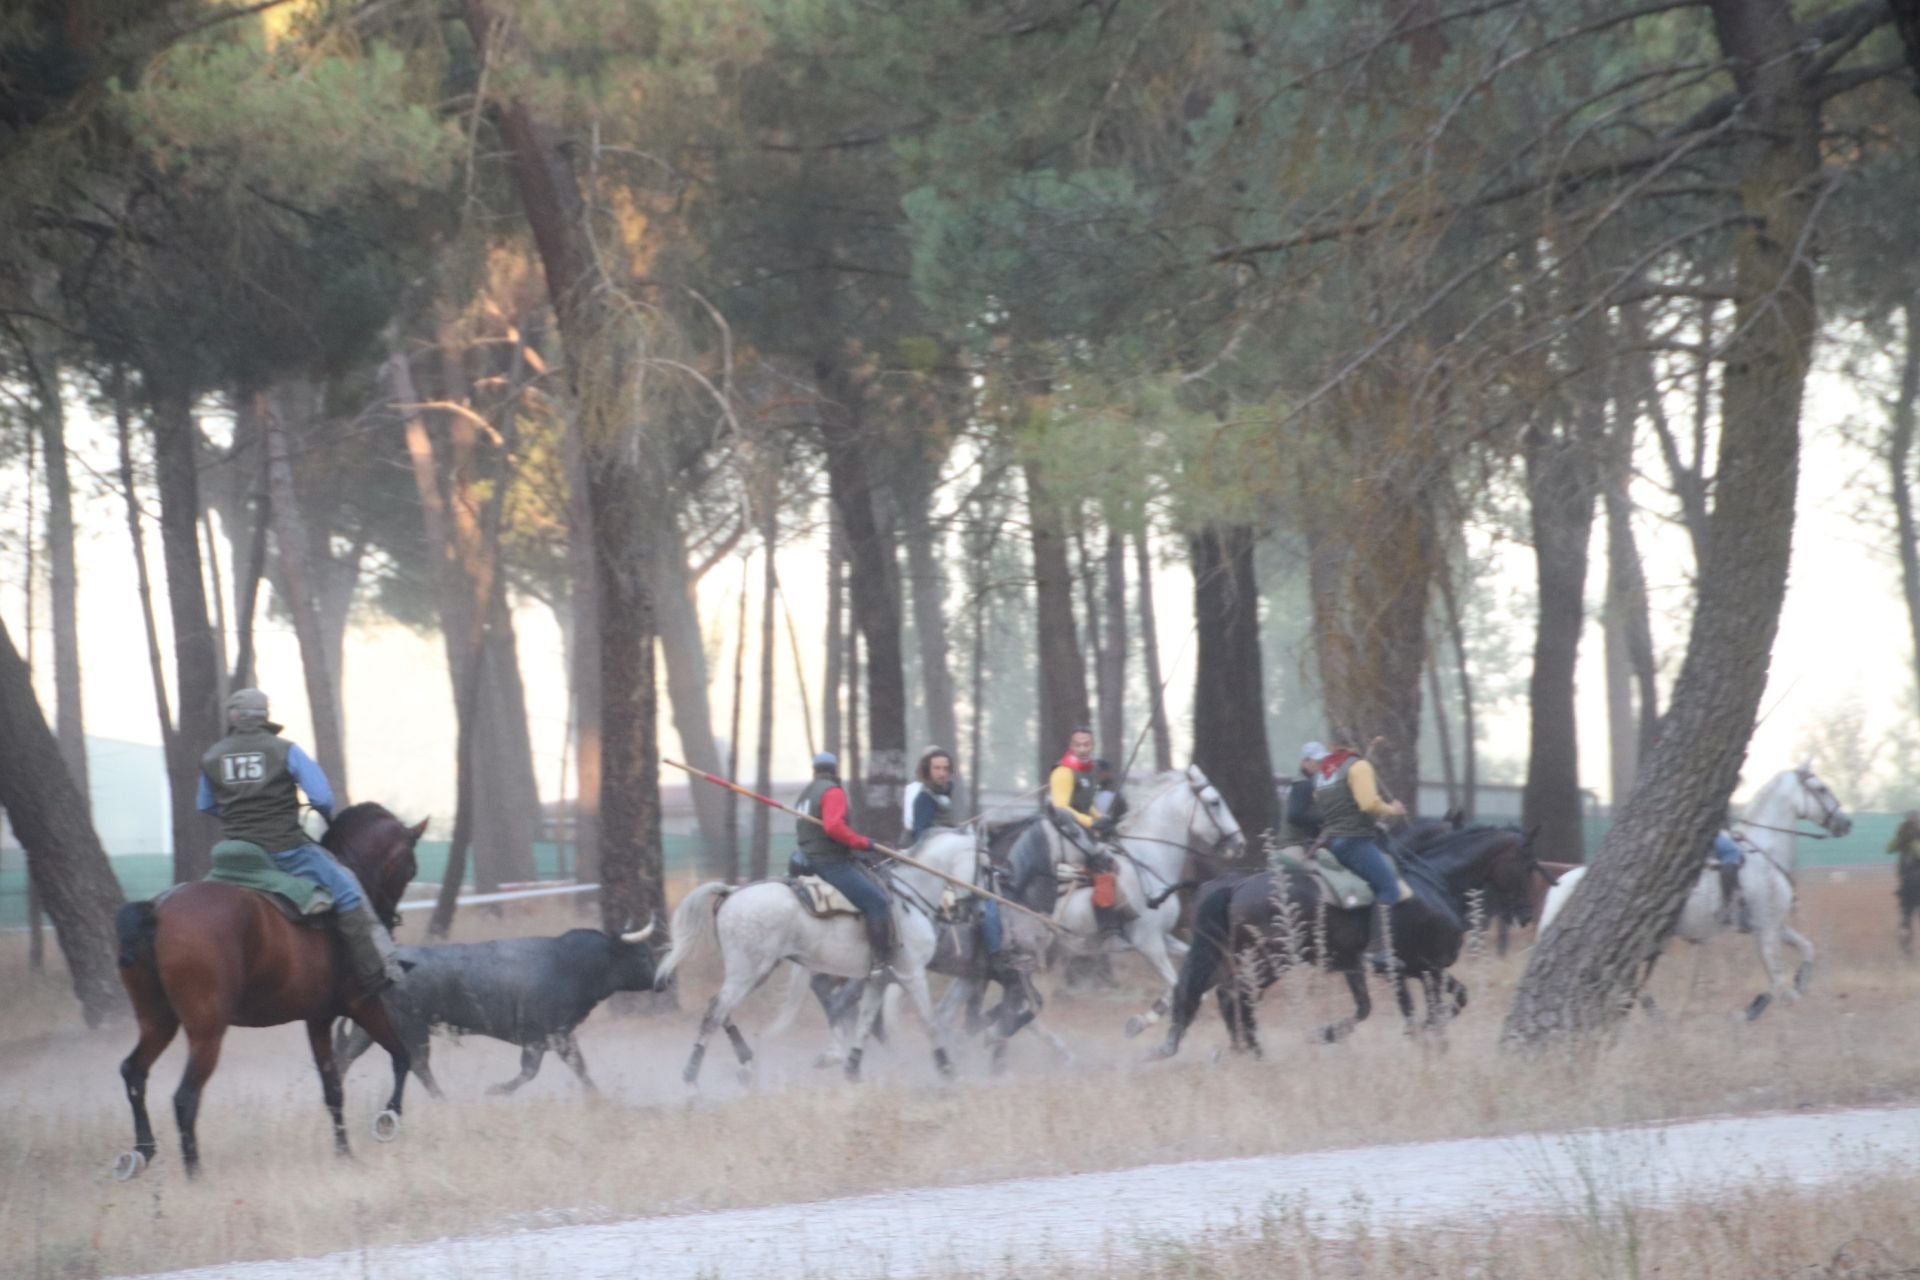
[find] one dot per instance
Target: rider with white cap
(1300, 818)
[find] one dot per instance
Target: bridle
(1830, 811)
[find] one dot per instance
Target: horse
(757, 926)
(207, 956)
(1250, 929)
(1182, 821)
(1908, 896)
(1766, 878)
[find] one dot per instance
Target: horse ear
(417, 830)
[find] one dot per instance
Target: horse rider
(1727, 859)
(1352, 804)
(832, 849)
(1299, 818)
(1073, 793)
(1905, 844)
(929, 806)
(251, 780)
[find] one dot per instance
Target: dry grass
(549, 1156)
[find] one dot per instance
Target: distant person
(1299, 818)
(928, 802)
(251, 780)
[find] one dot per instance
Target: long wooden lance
(895, 854)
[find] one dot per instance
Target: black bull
(532, 992)
(1249, 929)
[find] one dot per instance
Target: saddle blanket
(1340, 885)
(242, 863)
(821, 898)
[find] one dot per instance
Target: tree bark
(1585, 972)
(760, 853)
(197, 678)
(1560, 495)
(876, 609)
(602, 345)
(299, 578)
(63, 577)
(738, 710)
(1469, 754)
(1443, 728)
(584, 674)
(1150, 657)
(1900, 476)
(683, 649)
(1063, 672)
(1229, 697)
(929, 613)
(1629, 629)
(1113, 650)
(65, 863)
(833, 699)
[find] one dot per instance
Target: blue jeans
(1726, 851)
(1362, 856)
(311, 862)
(992, 936)
(859, 887)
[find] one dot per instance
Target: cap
(1314, 751)
(826, 760)
(246, 708)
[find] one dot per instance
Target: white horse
(1184, 817)
(757, 926)
(1766, 877)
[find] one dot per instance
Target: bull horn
(642, 935)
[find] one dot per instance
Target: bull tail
(695, 933)
(135, 924)
(799, 987)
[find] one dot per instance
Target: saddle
(1337, 884)
(820, 898)
(246, 865)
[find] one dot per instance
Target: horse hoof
(1759, 1005)
(1135, 1025)
(386, 1126)
(129, 1166)
(943, 1064)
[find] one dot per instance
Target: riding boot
(1729, 890)
(369, 950)
(1379, 950)
(880, 943)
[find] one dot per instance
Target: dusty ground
(549, 1155)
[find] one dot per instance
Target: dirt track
(1029, 1225)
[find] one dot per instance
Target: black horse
(1909, 897)
(1250, 929)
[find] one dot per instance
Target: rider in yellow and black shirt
(1072, 789)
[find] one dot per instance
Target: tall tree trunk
(1585, 972)
(683, 650)
(290, 536)
(1469, 754)
(602, 343)
(584, 673)
(738, 710)
(197, 680)
(156, 663)
(69, 726)
(876, 609)
(1900, 477)
(65, 863)
(930, 616)
(1560, 492)
(507, 797)
(1629, 629)
(1113, 650)
(760, 853)
(247, 586)
(1063, 672)
(833, 699)
(1229, 697)
(1091, 585)
(1442, 728)
(1150, 656)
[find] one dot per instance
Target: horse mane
(348, 825)
(1767, 789)
(1456, 849)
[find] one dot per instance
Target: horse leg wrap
(692, 1072)
(740, 1049)
(942, 1063)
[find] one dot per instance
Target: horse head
(378, 848)
(1218, 818)
(1814, 801)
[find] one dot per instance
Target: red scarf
(1336, 758)
(1073, 762)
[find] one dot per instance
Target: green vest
(811, 836)
(1340, 814)
(259, 801)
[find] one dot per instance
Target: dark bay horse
(1250, 929)
(207, 956)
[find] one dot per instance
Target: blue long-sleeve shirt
(310, 776)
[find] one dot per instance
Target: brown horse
(207, 956)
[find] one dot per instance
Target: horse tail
(136, 924)
(1200, 971)
(695, 933)
(1154, 902)
(799, 987)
